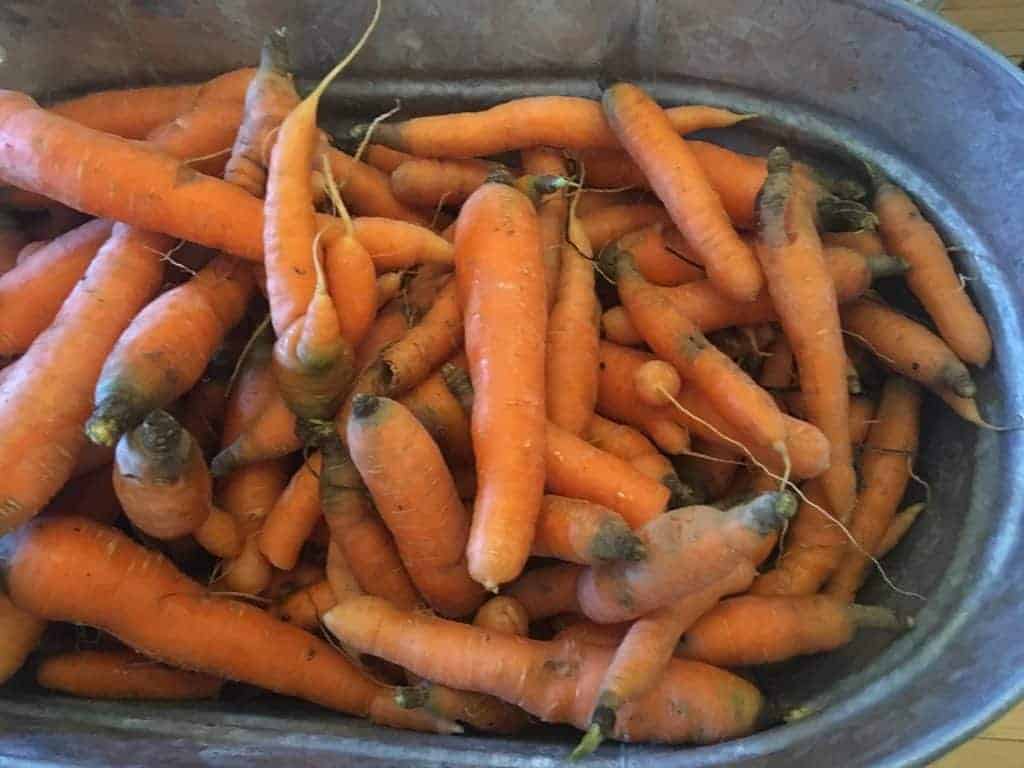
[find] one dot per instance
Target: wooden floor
(1000, 23)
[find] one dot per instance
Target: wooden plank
(986, 19)
(959, 5)
(984, 753)
(1009, 728)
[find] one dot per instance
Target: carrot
(122, 675)
(270, 435)
(581, 532)
(285, 583)
(430, 183)
(675, 339)
(866, 242)
(555, 121)
(19, 635)
(807, 447)
(717, 472)
(617, 328)
(552, 215)
(590, 632)
(503, 614)
(437, 409)
(13, 241)
(777, 372)
(547, 591)
(305, 606)
(500, 282)
(29, 249)
(359, 533)
(862, 411)
(776, 628)
(804, 297)
(203, 410)
(134, 113)
(400, 245)
(572, 336)
(885, 471)
(170, 618)
(679, 557)
(907, 347)
(618, 439)
(679, 181)
(32, 293)
(368, 190)
(717, 705)
(814, 546)
(655, 261)
(932, 278)
(609, 224)
(45, 399)
(901, 523)
(293, 516)
(383, 158)
(655, 382)
(394, 454)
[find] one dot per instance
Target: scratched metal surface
(836, 77)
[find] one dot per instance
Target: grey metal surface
(852, 75)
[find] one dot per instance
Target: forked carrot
(123, 675)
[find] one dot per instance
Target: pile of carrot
(445, 441)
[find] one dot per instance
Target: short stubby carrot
(717, 705)
(679, 181)
(123, 675)
(776, 628)
(932, 277)
(163, 614)
(804, 297)
(47, 396)
(547, 591)
(537, 121)
(32, 293)
(500, 280)
(415, 495)
(581, 532)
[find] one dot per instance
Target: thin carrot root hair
(361, 149)
(249, 344)
(334, 193)
(784, 481)
(919, 480)
(210, 156)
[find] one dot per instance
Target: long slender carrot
(46, 397)
(616, 221)
(804, 297)
(679, 181)
(581, 532)
(885, 469)
(907, 347)
(368, 191)
(717, 705)
(430, 183)
(394, 455)
(123, 675)
(675, 339)
(547, 591)
(776, 628)
(400, 245)
(358, 531)
(109, 582)
(293, 516)
(19, 635)
(552, 214)
(932, 277)
(500, 278)
(31, 294)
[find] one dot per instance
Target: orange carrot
(19, 635)
(885, 469)
(581, 532)
(675, 339)
(430, 183)
(717, 705)
(552, 214)
(901, 523)
(389, 284)
(866, 242)
(367, 190)
(203, 409)
(170, 618)
(123, 675)
(47, 396)
(804, 297)
(618, 439)
(718, 471)
(547, 591)
(619, 329)
(339, 574)
(394, 454)
(271, 435)
(501, 288)
(776, 628)
(305, 606)
(13, 241)
(293, 516)
(358, 531)
(32, 293)
(932, 278)
(383, 158)
(400, 245)
(777, 371)
(655, 261)
(503, 614)
(591, 633)
(655, 382)
(862, 412)
(438, 410)
(616, 221)
(679, 181)
(679, 557)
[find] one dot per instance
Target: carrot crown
(158, 449)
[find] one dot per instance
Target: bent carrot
(357, 530)
(393, 454)
(616, 221)
(717, 705)
(293, 516)
(123, 675)
(804, 297)
(539, 121)
(581, 532)
(932, 278)
(168, 617)
(679, 181)
(885, 469)
(430, 183)
(19, 635)
(31, 294)
(500, 281)
(776, 628)
(547, 591)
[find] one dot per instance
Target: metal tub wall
(882, 79)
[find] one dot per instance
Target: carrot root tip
(838, 215)
(224, 463)
(110, 419)
(681, 494)
(274, 53)
(591, 741)
(411, 697)
(615, 541)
